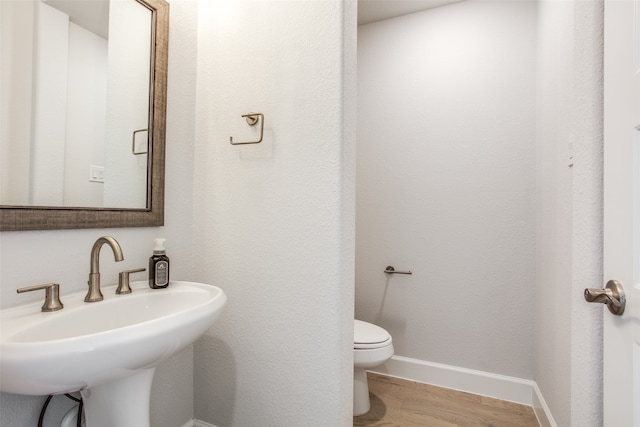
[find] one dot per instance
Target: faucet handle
(123, 281)
(52, 296)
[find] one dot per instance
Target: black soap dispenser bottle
(159, 266)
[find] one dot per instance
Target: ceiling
(96, 18)
(377, 10)
(92, 15)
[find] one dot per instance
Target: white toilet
(371, 347)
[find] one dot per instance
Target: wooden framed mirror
(141, 144)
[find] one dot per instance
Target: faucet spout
(94, 294)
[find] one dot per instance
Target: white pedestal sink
(107, 350)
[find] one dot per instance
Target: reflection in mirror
(83, 113)
(80, 71)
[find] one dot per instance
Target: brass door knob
(612, 295)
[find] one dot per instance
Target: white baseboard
(541, 409)
(197, 423)
(501, 387)
(477, 382)
(512, 389)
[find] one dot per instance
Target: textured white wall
(568, 354)
(275, 221)
(33, 257)
(446, 183)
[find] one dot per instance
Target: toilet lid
(368, 335)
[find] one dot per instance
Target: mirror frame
(17, 218)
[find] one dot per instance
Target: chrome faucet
(94, 293)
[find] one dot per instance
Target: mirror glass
(77, 80)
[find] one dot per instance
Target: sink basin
(103, 348)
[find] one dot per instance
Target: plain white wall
(125, 174)
(16, 45)
(568, 352)
(275, 221)
(446, 183)
(34, 257)
(48, 120)
(86, 113)
(73, 88)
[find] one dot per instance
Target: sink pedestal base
(122, 403)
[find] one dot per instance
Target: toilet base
(372, 346)
(361, 404)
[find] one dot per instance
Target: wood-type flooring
(400, 403)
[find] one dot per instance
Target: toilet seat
(369, 336)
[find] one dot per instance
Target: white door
(622, 210)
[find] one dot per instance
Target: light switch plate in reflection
(96, 173)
